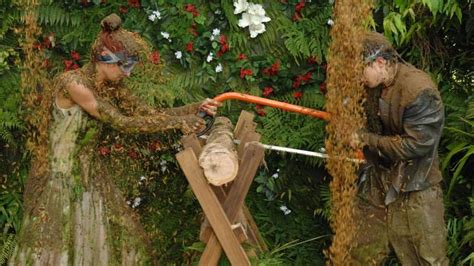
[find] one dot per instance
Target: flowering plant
(253, 16)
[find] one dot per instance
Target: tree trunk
(218, 157)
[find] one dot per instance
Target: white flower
(285, 210)
(216, 32)
(330, 22)
(136, 202)
(240, 6)
(178, 54)
(256, 30)
(254, 18)
(245, 20)
(278, 170)
(165, 35)
(209, 57)
(256, 10)
(217, 12)
(142, 178)
(219, 68)
(163, 168)
(275, 175)
(154, 15)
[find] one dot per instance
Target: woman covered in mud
(75, 214)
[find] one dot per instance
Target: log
(219, 158)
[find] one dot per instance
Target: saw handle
(209, 119)
(261, 101)
(272, 103)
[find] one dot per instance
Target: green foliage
(434, 35)
(8, 243)
(10, 114)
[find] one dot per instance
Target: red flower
(154, 146)
(189, 46)
(132, 154)
(299, 6)
(104, 151)
(297, 95)
(267, 91)
(312, 60)
(134, 3)
(155, 57)
(123, 9)
(118, 147)
(297, 82)
(245, 72)
(224, 46)
(37, 45)
(193, 30)
(241, 57)
(47, 42)
(259, 110)
(75, 55)
(307, 77)
(68, 64)
(222, 39)
(297, 16)
(75, 66)
(273, 70)
(323, 88)
(191, 9)
(325, 67)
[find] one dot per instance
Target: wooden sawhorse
(222, 206)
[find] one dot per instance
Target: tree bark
(219, 157)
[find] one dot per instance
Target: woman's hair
(376, 45)
(116, 39)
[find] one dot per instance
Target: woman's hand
(209, 106)
(192, 124)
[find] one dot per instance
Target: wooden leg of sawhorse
(251, 159)
(212, 208)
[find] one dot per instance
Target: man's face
(373, 73)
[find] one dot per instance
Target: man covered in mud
(400, 205)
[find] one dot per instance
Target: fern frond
(52, 15)
(7, 248)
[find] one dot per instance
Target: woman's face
(115, 66)
(111, 72)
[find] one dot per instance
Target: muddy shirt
(412, 115)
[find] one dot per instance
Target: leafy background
(287, 63)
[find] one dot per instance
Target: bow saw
(280, 105)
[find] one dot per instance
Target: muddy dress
(79, 216)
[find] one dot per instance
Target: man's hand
(358, 139)
(209, 106)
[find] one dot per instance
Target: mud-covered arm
(132, 103)
(144, 124)
(422, 123)
(107, 113)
